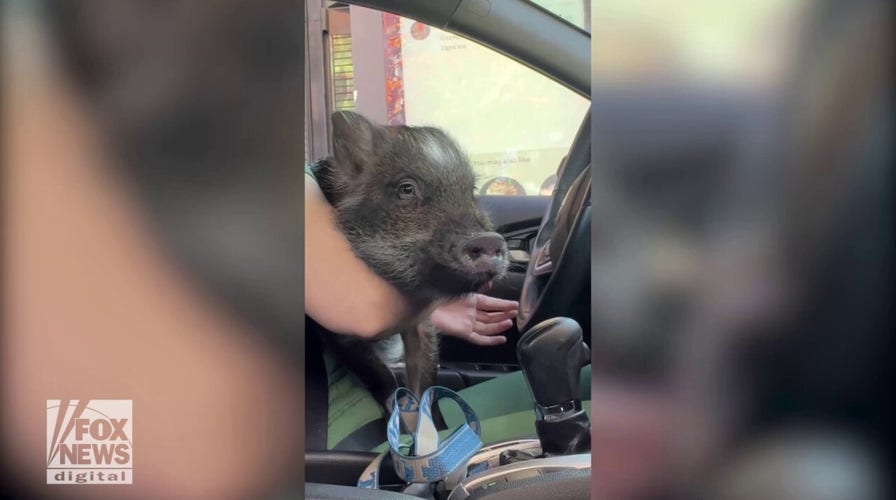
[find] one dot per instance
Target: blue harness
(426, 459)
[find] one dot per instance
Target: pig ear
(353, 139)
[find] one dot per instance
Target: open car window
(515, 124)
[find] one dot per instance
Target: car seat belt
(426, 460)
(366, 437)
(316, 389)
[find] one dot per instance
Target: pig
(404, 198)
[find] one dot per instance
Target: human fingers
(483, 340)
(492, 328)
(487, 303)
(494, 317)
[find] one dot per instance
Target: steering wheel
(558, 266)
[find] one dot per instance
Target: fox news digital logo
(89, 441)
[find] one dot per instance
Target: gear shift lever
(551, 355)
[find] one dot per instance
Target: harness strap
(426, 459)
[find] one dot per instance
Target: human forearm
(341, 292)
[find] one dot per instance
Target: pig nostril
(485, 244)
(477, 252)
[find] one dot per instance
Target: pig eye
(408, 189)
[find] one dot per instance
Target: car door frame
(562, 52)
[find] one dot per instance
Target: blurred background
(151, 190)
(742, 249)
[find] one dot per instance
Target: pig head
(404, 198)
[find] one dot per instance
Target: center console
(556, 465)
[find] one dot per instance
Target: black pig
(403, 197)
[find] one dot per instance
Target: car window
(515, 124)
(575, 12)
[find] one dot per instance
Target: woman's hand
(476, 318)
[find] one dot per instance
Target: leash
(425, 460)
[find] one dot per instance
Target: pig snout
(485, 253)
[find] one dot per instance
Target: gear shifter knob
(552, 355)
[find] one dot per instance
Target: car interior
(736, 169)
(548, 241)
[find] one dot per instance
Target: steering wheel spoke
(554, 269)
(543, 264)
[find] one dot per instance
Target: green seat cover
(350, 405)
(504, 407)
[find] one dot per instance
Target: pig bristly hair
(404, 198)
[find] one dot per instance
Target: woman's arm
(341, 292)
